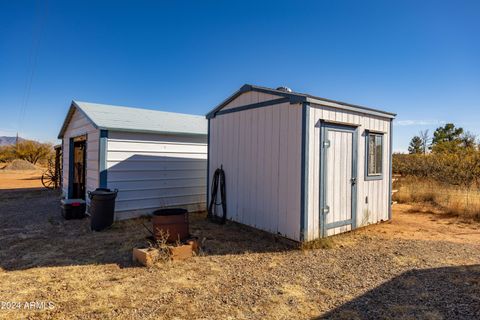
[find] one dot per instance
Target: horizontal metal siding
(376, 190)
(152, 171)
(80, 125)
(259, 150)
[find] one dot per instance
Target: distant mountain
(6, 141)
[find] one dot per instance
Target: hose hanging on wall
(218, 178)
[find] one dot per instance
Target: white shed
(301, 166)
(155, 159)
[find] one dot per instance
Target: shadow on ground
(437, 293)
(33, 234)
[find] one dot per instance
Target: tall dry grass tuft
(453, 200)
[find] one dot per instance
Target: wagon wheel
(49, 180)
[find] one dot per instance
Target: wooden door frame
(71, 160)
(325, 126)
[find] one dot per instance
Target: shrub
(31, 151)
(460, 168)
(449, 180)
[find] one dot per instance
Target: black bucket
(102, 208)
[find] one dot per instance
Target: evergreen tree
(416, 145)
(447, 138)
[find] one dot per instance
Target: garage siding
(259, 150)
(152, 171)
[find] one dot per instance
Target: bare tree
(425, 137)
(469, 140)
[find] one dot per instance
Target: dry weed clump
(452, 200)
(161, 245)
(323, 243)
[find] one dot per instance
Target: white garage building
(301, 166)
(155, 159)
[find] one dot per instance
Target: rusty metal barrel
(170, 224)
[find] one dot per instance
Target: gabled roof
(117, 118)
(297, 97)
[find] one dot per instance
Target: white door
(339, 179)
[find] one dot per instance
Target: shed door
(339, 179)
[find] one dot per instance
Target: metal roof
(118, 118)
(297, 97)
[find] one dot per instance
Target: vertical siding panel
(267, 168)
(360, 171)
(256, 150)
(297, 171)
(275, 160)
(283, 168)
(228, 163)
(236, 151)
(241, 165)
(249, 169)
(221, 149)
(343, 164)
(291, 174)
(261, 154)
(312, 221)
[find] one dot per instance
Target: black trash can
(102, 208)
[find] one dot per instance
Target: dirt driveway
(418, 266)
(20, 179)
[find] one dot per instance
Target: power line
(32, 64)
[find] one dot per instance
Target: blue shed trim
(321, 203)
(340, 224)
(368, 177)
(208, 164)
(296, 97)
(102, 158)
(390, 165)
(304, 173)
(355, 176)
(325, 126)
(71, 159)
(250, 106)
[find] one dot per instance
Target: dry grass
(242, 273)
(325, 243)
(446, 199)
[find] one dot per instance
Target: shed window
(374, 155)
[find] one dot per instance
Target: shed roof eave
(73, 106)
(296, 97)
(349, 107)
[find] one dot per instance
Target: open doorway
(78, 156)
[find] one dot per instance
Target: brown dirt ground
(420, 265)
(14, 180)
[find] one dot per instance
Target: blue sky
(420, 59)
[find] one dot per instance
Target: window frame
(375, 176)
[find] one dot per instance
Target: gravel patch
(242, 273)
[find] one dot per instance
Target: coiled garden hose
(218, 179)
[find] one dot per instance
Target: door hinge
(326, 209)
(326, 144)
